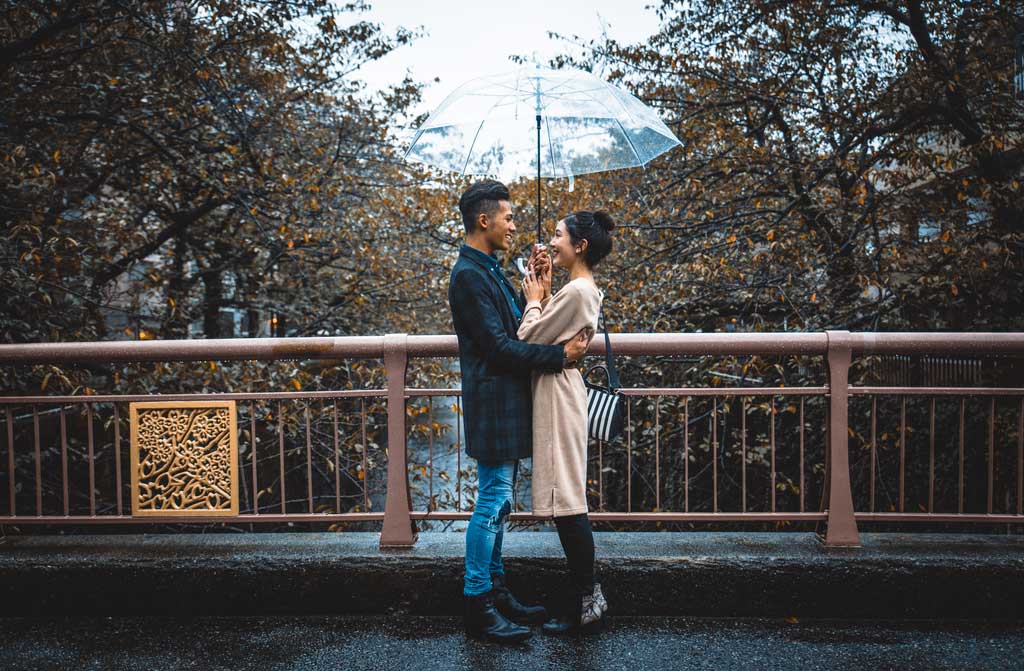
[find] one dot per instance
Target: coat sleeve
(478, 313)
(556, 320)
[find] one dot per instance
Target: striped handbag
(604, 404)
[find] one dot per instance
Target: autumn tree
(166, 161)
(847, 165)
(851, 165)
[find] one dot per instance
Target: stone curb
(692, 574)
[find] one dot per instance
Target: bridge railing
(341, 440)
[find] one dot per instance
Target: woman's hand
(545, 279)
(533, 288)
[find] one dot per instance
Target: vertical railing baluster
(629, 456)
(280, 454)
(802, 431)
(337, 456)
(828, 451)
(714, 454)
(842, 525)
(657, 454)
(903, 445)
(38, 460)
(430, 455)
(458, 456)
(686, 454)
(874, 450)
(117, 457)
(92, 463)
(771, 416)
(960, 504)
(64, 460)
(991, 450)
(1020, 457)
(309, 461)
(10, 461)
(363, 460)
(931, 459)
(252, 455)
(743, 453)
(398, 529)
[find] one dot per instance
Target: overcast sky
(467, 39)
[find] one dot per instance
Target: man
(497, 402)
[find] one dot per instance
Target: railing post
(842, 526)
(398, 528)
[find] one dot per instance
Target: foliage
(848, 165)
(844, 165)
(165, 162)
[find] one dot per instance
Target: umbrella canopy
(537, 121)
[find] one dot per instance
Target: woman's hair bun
(604, 220)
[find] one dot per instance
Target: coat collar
(487, 261)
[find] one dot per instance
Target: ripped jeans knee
(496, 522)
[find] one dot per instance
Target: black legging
(578, 543)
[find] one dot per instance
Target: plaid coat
(496, 366)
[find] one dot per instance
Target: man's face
(501, 226)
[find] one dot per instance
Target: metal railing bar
(210, 519)
(232, 396)
(938, 391)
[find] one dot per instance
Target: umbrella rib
(551, 147)
(469, 154)
(631, 145)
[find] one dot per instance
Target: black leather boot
(567, 620)
(582, 614)
(483, 621)
(510, 607)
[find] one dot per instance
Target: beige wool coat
(560, 401)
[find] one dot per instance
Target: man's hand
(577, 347)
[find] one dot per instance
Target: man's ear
(482, 221)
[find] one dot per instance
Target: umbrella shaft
(538, 180)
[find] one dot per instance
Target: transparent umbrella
(537, 121)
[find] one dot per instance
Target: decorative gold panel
(184, 459)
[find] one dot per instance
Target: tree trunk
(214, 297)
(175, 324)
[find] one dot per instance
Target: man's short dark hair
(481, 198)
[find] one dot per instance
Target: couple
(523, 396)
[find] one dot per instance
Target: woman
(580, 242)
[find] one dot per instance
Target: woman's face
(563, 254)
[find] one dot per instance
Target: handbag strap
(613, 374)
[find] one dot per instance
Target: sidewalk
(383, 643)
(680, 574)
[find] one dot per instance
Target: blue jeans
(487, 526)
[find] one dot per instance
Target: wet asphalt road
(436, 643)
